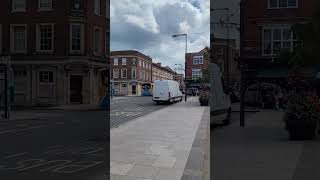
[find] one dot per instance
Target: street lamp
(186, 35)
(228, 37)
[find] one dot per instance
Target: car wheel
(228, 119)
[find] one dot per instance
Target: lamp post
(186, 35)
(181, 69)
(228, 37)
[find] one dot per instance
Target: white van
(220, 104)
(166, 91)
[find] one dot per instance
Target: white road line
(15, 155)
(19, 130)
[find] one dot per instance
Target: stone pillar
(60, 85)
(34, 85)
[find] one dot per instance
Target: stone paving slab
(155, 146)
(262, 150)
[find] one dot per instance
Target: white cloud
(147, 26)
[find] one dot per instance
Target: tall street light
(228, 37)
(186, 35)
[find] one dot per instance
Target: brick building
(180, 79)
(194, 65)
(57, 48)
(268, 30)
(162, 73)
(219, 50)
(130, 69)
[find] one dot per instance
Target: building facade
(268, 31)
(220, 57)
(195, 63)
(57, 49)
(130, 70)
(180, 79)
(162, 73)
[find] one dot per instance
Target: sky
(148, 26)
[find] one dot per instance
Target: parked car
(166, 91)
(263, 91)
(220, 104)
(192, 91)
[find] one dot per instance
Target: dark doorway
(76, 89)
(134, 90)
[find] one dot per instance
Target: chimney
(159, 64)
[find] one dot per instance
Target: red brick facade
(189, 64)
(258, 14)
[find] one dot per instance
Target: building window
(276, 39)
(198, 60)
(19, 38)
(45, 5)
(123, 73)
(116, 73)
(283, 4)
(115, 61)
(134, 73)
(18, 5)
(76, 37)
(97, 7)
(139, 62)
(45, 36)
(134, 61)
(46, 77)
(124, 61)
(97, 41)
(196, 73)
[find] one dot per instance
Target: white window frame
(13, 9)
(278, 7)
(12, 38)
(81, 50)
(97, 52)
(122, 70)
(271, 28)
(39, 36)
(115, 60)
(44, 8)
(123, 61)
(97, 7)
(113, 73)
(198, 60)
(133, 73)
(48, 77)
(196, 75)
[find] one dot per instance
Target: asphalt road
(66, 145)
(126, 109)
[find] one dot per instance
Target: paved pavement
(262, 150)
(155, 146)
(125, 109)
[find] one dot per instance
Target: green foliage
(300, 108)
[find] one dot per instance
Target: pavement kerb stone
(200, 152)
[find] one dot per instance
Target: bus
(147, 89)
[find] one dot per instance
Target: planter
(300, 130)
(204, 102)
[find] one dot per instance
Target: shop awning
(275, 72)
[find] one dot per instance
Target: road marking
(19, 130)
(15, 155)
